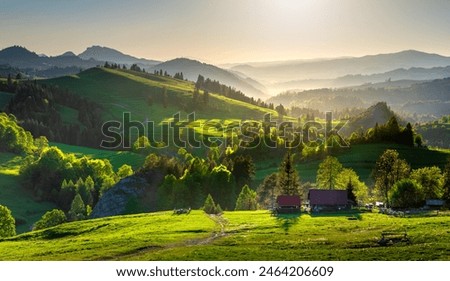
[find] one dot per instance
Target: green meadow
(244, 235)
(121, 91)
(20, 201)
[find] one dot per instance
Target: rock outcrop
(116, 200)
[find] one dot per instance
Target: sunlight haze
(228, 31)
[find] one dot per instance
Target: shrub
(406, 193)
(246, 199)
(51, 218)
(210, 207)
(7, 223)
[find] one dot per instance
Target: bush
(246, 199)
(7, 223)
(406, 193)
(51, 218)
(210, 207)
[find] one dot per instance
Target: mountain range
(34, 65)
(253, 79)
(348, 71)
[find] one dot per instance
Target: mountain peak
(100, 53)
(18, 52)
(68, 54)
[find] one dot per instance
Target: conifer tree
(288, 181)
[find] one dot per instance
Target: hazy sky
(228, 31)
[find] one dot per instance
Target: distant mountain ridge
(414, 75)
(104, 54)
(36, 65)
(338, 67)
(254, 79)
(69, 63)
(426, 100)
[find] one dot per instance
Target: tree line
(227, 91)
(38, 109)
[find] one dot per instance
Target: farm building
(288, 204)
(324, 199)
(434, 203)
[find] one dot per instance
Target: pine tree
(350, 191)
(246, 199)
(9, 81)
(288, 181)
(78, 209)
(205, 97)
(210, 207)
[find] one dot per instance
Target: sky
(228, 31)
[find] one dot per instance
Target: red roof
(288, 200)
(327, 197)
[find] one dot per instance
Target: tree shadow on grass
(350, 214)
(286, 221)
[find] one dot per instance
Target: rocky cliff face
(117, 200)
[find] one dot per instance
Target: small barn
(288, 204)
(434, 203)
(325, 199)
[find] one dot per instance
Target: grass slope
(109, 238)
(251, 235)
(24, 208)
(121, 91)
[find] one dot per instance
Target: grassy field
(121, 91)
(69, 115)
(24, 208)
(252, 235)
(110, 238)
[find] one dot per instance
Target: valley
(219, 136)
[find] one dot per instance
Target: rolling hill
(68, 63)
(118, 91)
(378, 113)
(142, 95)
(192, 68)
(429, 98)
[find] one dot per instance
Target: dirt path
(220, 222)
